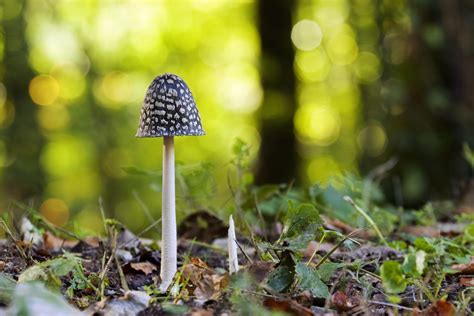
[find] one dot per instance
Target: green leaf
(469, 232)
(414, 263)
(35, 299)
(7, 285)
(301, 219)
(134, 171)
(33, 273)
(280, 279)
(64, 265)
(302, 224)
(327, 269)
(309, 279)
(393, 278)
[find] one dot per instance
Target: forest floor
(331, 249)
(305, 263)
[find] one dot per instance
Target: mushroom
(169, 110)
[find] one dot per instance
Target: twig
(103, 273)
(367, 218)
(137, 237)
(123, 281)
(243, 251)
(204, 244)
(316, 249)
(391, 305)
(104, 218)
(145, 208)
(330, 252)
(10, 234)
(45, 222)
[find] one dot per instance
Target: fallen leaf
(340, 302)
(440, 229)
(53, 243)
(132, 303)
(440, 308)
(145, 267)
(287, 306)
(2, 265)
(466, 281)
(465, 268)
(202, 281)
(335, 224)
(33, 298)
(201, 312)
(210, 287)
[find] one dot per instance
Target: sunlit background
(74, 74)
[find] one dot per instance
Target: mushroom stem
(168, 215)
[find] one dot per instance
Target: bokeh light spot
(66, 155)
(317, 124)
(306, 35)
(239, 88)
(367, 67)
(44, 90)
(53, 117)
(372, 139)
(312, 66)
(322, 169)
(88, 221)
(71, 80)
(56, 211)
(342, 49)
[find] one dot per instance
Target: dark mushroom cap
(169, 109)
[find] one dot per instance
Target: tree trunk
(22, 177)
(278, 158)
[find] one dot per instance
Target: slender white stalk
(168, 215)
(232, 247)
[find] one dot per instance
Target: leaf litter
(300, 252)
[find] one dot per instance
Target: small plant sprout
(232, 247)
(169, 110)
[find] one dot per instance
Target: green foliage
(281, 279)
(302, 225)
(7, 285)
(33, 298)
(52, 270)
(310, 279)
(415, 263)
(468, 155)
(393, 279)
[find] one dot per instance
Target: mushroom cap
(169, 109)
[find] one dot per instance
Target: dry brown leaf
(440, 229)
(466, 281)
(53, 243)
(465, 268)
(2, 265)
(260, 270)
(201, 312)
(440, 308)
(345, 228)
(287, 306)
(145, 267)
(203, 281)
(340, 302)
(92, 241)
(211, 286)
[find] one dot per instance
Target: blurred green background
(316, 88)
